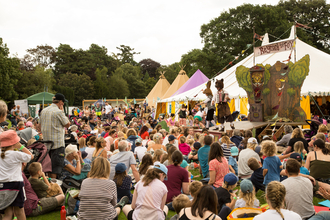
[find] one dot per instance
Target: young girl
(123, 182)
(183, 115)
(247, 197)
(157, 157)
(272, 165)
(13, 154)
(184, 148)
(299, 148)
(99, 149)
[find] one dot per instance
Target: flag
(105, 99)
(257, 36)
(158, 99)
(134, 101)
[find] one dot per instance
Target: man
(53, 121)
(107, 111)
(98, 110)
(124, 156)
(236, 138)
(244, 170)
(171, 140)
(283, 143)
(203, 156)
(298, 188)
(13, 116)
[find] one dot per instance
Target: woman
(146, 163)
(72, 162)
(218, 165)
(183, 115)
(297, 135)
(178, 178)
(91, 147)
(204, 206)
(323, 129)
(98, 194)
(247, 134)
(82, 144)
(318, 162)
(74, 129)
(149, 196)
(99, 148)
(131, 138)
(226, 145)
(158, 139)
(3, 114)
(87, 111)
(275, 195)
(144, 134)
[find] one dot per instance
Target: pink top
(170, 121)
(184, 148)
(220, 168)
(149, 200)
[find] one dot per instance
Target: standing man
(53, 121)
(13, 116)
(107, 111)
(98, 110)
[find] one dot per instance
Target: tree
(126, 55)
(119, 87)
(67, 92)
(150, 66)
(150, 83)
(35, 81)
(65, 58)
(9, 74)
(101, 84)
(197, 59)
(132, 75)
(42, 55)
(81, 84)
(146, 77)
(172, 71)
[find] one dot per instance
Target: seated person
(72, 162)
(247, 196)
(40, 184)
(180, 202)
(257, 177)
(193, 153)
(225, 195)
(194, 187)
(123, 182)
(86, 167)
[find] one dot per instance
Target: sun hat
(120, 168)
(161, 167)
(230, 178)
(234, 151)
(8, 138)
(246, 186)
(71, 149)
(197, 145)
(28, 124)
(171, 137)
(252, 140)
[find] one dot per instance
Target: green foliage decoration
(299, 71)
(243, 78)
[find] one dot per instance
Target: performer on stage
(222, 99)
(210, 105)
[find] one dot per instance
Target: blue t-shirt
(304, 170)
(232, 162)
(203, 157)
(272, 164)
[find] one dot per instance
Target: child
(39, 182)
(257, 177)
(180, 202)
(86, 167)
(11, 178)
(194, 150)
(157, 157)
(123, 182)
(247, 197)
(297, 157)
(226, 197)
(190, 142)
(194, 187)
(139, 150)
(184, 148)
(233, 167)
(299, 148)
(272, 164)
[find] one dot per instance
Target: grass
(56, 214)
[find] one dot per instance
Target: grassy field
(56, 215)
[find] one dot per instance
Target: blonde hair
(20, 124)
(157, 155)
(248, 197)
(100, 168)
(229, 187)
(252, 145)
(191, 142)
(297, 133)
(194, 187)
(182, 139)
(181, 201)
(130, 132)
(322, 129)
(269, 148)
(82, 142)
(298, 147)
(157, 138)
(3, 109)
(30, 142)
(320, 136)
(226, 140)
(275, 194)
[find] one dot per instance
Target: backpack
(71, 202)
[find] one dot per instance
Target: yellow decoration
(294, 44)
(305, 105)
(243, 103)
(232, 105)
(243, 51)
(173, 108)
(282, 80)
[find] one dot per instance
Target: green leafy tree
(146, 77)
(9, 74)
(65, 58)
(197, 59)
(126, 55)
(81, 84)
(150, 66)
(42, 55)
(67, 92)
(120, 88)
(101, 84)
(150, 83)
(172, 71)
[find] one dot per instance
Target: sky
(160, 30)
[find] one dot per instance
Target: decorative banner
(274, 48)
(134, 101)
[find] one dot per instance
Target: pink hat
(28, 124)
(8, 138)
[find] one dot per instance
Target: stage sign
(273, 48)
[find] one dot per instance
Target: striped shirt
(97, 199)
(52, 122)
(226, 150)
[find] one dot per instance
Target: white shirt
(107, 109)
(90, 151)
(11, 166)
(140, 152)
(274, 215)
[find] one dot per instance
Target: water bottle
(63, 213)
(191, 164)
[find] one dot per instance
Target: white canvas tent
(317, 81)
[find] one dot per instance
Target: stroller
(314, 124)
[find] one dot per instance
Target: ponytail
(3, 151)
(151, 174)
(275, 195)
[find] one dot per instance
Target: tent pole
(254, 57)
(295, 43)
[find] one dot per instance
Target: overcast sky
(160, 30)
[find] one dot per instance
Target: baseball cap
(252, 140)
(71, 149)
(234, 151)
(138, 140)
(257, 149)
(230, 178)
(264, 137)
(171, 137)
(120, 168)
(161, 167)
(8, 138)
(197, 145)
(60, 97)
(295, 156)
(246, 186)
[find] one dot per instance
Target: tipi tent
(319, 64)
(195, 80)
(181, 79)
(159, 90)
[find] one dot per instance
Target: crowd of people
(110, 157)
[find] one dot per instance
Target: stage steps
(273, 133)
